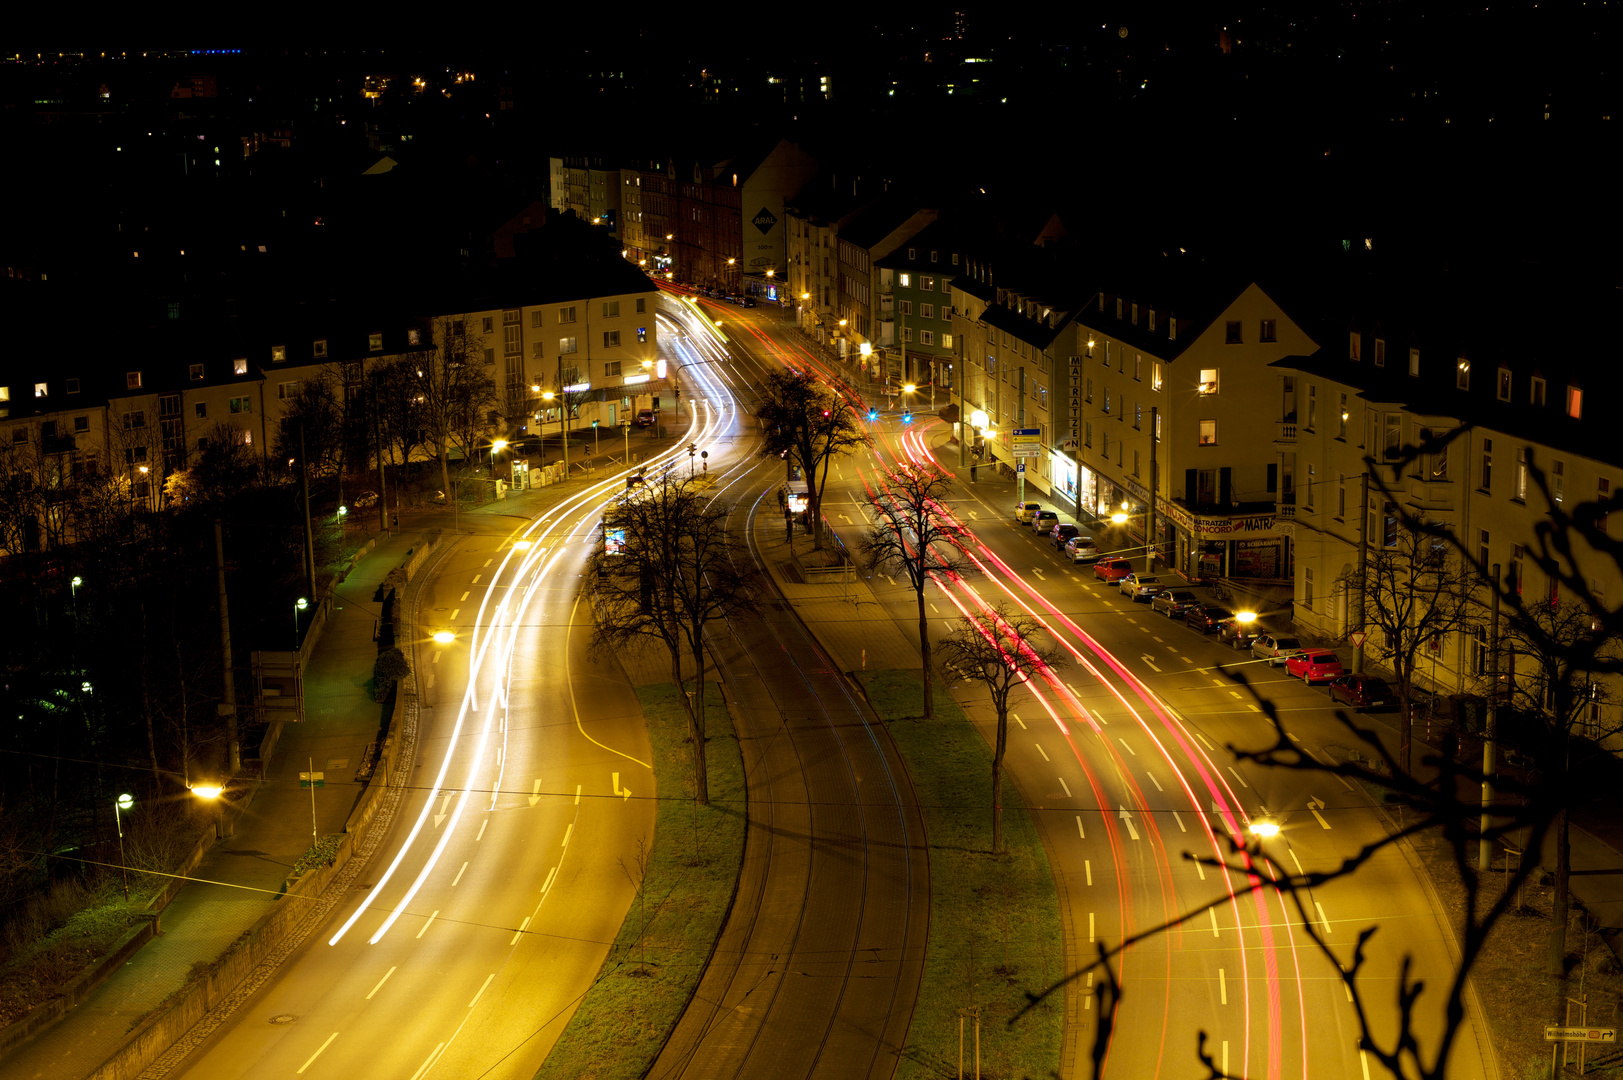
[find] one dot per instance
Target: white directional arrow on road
(1127, 820)
(1038, 571)
(626, 793)
(535, 793)
(440, 817)
(1149, 662)
(845, 519)
(1314, 805)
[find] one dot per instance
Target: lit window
(41, 390)
(1155, 374)
(1414, 363)
(197, 372)
(239, 367)
(1208, 433)
(374, 342)
(906, 281)
(132, 380)
(1353, 350)
(1504, 384)
(1266, 333)
(1462, 373)
(414, 336)
(1575, 403)
(1208, 381)
(566, 345)
(642, 335)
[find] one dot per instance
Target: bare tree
(457, 393)
(1417, 590)
(667, 568)
(808, 424)
(999, 650)
(916, 534)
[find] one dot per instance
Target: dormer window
(196, 372)
(1354, 349)
(1118, 307)
(374, 342)
(1172, 330)
(1575, 402)
(278, 354)
(1414, 363)
(414, 336)
(320, 346)
(1462, 373)
(933, 257)
(1537, 396)
(1135, 314)
(239, 366)
(132, 380)
(912, 254)
(1380, 352)
(1151, 325)
(1504, 384)
(42, 390)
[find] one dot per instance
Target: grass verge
(662, 949)
(995, 932)
(92, 919)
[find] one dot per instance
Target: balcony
(1285, 432)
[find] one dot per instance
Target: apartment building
(915, 303)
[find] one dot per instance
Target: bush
(390, 668)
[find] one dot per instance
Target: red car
(1111, 571)
(1314, 665)
(1363, 691)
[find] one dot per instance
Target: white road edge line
(381, 981)
(317, 1054)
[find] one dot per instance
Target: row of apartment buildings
(587, 335)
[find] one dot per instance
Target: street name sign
(1026, 442)
(312, 779)
(1580, 1034)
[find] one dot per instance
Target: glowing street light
(443, 637)
(1263, 828)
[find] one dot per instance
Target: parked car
(1314, 665)
(1174, 603)
(1206, 617)
(749, 301)
(1111, 571)
(1138, 587)
(1043, 522)
(1274, 649)
(1023, 511)
(1081, 549)
(1238, 634)
(1063, 532)
(1363, 691)
(646, 417)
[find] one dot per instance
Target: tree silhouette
(808, 424)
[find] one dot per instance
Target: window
(242, 405)
(535, 350)
(1537, 391)
(1307, 587)
(1341, 423)
(1118, 307)
(1389, 530)
(946, 341)
(955, 258)
(926, 311)
(1266, 333)
(1519, 490)
(907, 333)
(82, 423)
(1152, 319)
(1487, 465)
(1138, 366)
(946, 313)
(611, 339)
(1135, 314)
(1558, 480)
(1436, 455)
(927, 283)
(566, 345)
(611, 309)
(352, 373)
(1107, 401)
(1380, 352)
(535, 320)
(239, 366)
(1515, 568)
(912, 254)
(1575, 403)
(927, 337)
(1155, 374)
(73, 388)
(1504, 384)
(1603, 495)
(1158, 419)
(1482, 556)
(19, 435)
(490, 356)
(611, 368)
(1135, 462)
(1087, 433)
(287, 390)
(1414, 363)
(319, 347)
(1462, 373)
(487, 324)
(933, 257)
(1231, 334)
(1090, 391)
(1312, 407)
(1107, 354)
(642, 335)
(510, 339)
(132, 380)
(566, 314)
(1138, 416)
(1353, 350)
(906, 280)
(907, 307)
(1172, 328)
(1312, 477)
(1394, 435)
(42, 390)
(374, 343)
(1208, 433)
(1208, 381)
(1341, 502)
(414, 336)
(278, 354)
(201, 410)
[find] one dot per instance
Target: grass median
(689, 875)
(995, 933)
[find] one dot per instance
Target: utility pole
(228, 707)
(1484, 845)
(1363, 560)
(1020, 422)
(309, 535)
(1149, 514)
(383, 490)
(963, 419)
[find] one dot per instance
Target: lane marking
(1079, 831)
(1041, 751)
(568, 832)
(1066, 786)
(1297, 861)
(1322, 919)
(1226, 1058)
(436, 656)
(1219, 682)
(482, 986)
(1154, 781)
(1207, 741)
(1363, 1057)
(1125, 747)
(577, 792)
(520, 931)
(545, 885)
(381, 981)
(1016, 718)
(459, 874)
(1213, 913)
(317, 1054)
(535, 793)
(1149, 665)
(476, 578)
(489, 561)
(935, 609)
(464, 599)
(1253, 707)
(454, 613)
(1320, 816)
(1222, 987)
(1090, 927)
(1127, 820)
(948, 625)
(1087, 864)
(1234, 693)
(481, 835)
(1201, 870)
(1181, 828)
(1238, 777)
(429, 923)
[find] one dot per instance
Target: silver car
(1138, 587)
(1081, 549)
(1274, 648)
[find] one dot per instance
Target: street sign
(1357, 638)
(1026, 442)
(1019, 466)
(312, 779)
(1580, 1034)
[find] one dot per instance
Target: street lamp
(549, 395)
(211, 794)
(298, 605)
(1263, 828)
(120, 804)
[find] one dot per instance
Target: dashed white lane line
(1157, 640)
(1066, 786)
(1297, 861)
(1125, 747)
(1322, 920)
(1016, 718)
(935, 609)
(1234, 693)
(459, 874)
(948, 625)
(476, 578)
(568, 832)
(1252, 707)
(520, 931)
(1087, 864)
(1219, 682)
(481, 835)
(454, 613)
(1090, 927)
(481, 992)
(1179, 820)
(489, 561)
(429, 923)
(1207, 741)
(436, 657)
(1222, 987)
(1213, 913)
(1154, 781)
(381, 981)
(312, 1059)
(1041, 751)
(1079, 830)
(547, 884)
(464, 599)
(1363, 1055)
(1238, 777)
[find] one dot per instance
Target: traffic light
(873, 414)
(907, 418)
